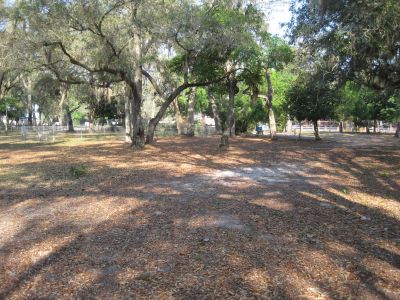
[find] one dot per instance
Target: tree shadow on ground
(170, 227)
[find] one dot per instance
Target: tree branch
(78, 63)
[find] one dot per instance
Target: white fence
(49, 132)
(333, 128)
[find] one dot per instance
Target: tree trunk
(40, 117)
(180, 123)
(136, 85)
(30, 109)
(191, 106)
(151, 130)
(128, 121)
(289, 125)
(341, 126)
(230, 119)
(154, 121)
(135, 101)
(215, 111)
(30, 117)
(316, 131)
(397, 133)
(28, 89)
(271, 114)
(61, 104)
(374, 126)
(254, 97)
(300, 131)
(69, 119)
(6, 125)
(224, 144)
(137, 135)
(167, 102)
(134, 82)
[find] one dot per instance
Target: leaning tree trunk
(169, 99)
(271, 114)
(316, 131)
(154, 121)
(191, 105)
(215, 111)
(180, 123)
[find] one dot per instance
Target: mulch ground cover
(289, 219)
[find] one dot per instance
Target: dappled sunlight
(391, 207)
(9, 228)
(237, 259)
(182, 220)
(389, 280)
(127, 275)
(40, 251)
(217, 221)
(319, 197)
(275, 204)
(279, 173)
(226, 197)
(257, 280)
(326, 200)
(315, 274)
(342, 248)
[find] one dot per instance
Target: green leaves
(363, 36)
(312, 97)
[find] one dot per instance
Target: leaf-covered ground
(83, 219)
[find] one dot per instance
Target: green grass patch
(78, 171)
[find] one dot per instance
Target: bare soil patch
(84, 219)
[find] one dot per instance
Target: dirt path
(180, 220)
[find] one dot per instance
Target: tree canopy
(110, 58)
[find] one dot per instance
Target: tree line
(216, 56)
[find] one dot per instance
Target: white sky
(279, 14)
